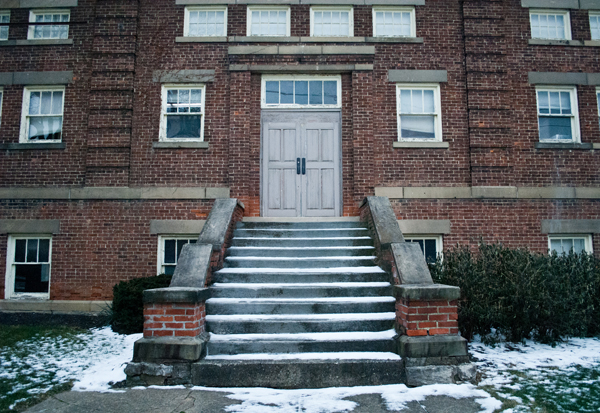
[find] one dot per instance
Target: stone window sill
(592, 42)
(559, 145)
(28, 146)
(427, 145)
(36, 42)
(545, 42)
(293, 39)
(179, 145)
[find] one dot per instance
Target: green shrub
(520, 294)
(127, 310)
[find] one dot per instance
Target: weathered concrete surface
(217, 223)
(427, 292)
(432, 346)
(169, 348)
(410, 263)
(176, 295)
(384, 221)
(192, 266)
(200, 401)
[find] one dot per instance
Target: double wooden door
(301, 164)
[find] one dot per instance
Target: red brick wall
(426, 318)
(174, 319)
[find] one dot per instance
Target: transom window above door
(301, 91)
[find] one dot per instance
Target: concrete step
(298, 323)
(301, 233)
(308, 251)
(300, 290)
(300, 225)
(331, 241)
(337, 305)
(221, 344)
(299, 373)
(299, 262)
(276, 275)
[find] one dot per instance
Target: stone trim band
(489, 192)
(115, 193)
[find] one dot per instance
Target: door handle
(303, 166)
(297, 166)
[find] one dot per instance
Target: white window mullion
(28, 266)
(54, 24)
(331, 22)
(4, 21)
(419, 112)
(301, 91)
(558, 118)
(595, 25)
(269, 21)
(182, 113)
(42, 114)
(550, 24)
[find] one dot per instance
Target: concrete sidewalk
(201, 401)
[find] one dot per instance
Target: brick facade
(112, 115)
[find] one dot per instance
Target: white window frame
(595, 14)
(1, 101)
(598, 103)
(265, 78)
(439, 241)
(564, 13)
(413, 20)
(160, 264)
(9, 291)
(575, 132)
(437, 114)
(186, 24)
(33, 13)
(249, 11)
(5, 13)
(348, 9)
(24, 134)
(587, 240)
(163, 111)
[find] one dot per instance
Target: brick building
(122, 121)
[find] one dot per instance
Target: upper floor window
(329, 22)
(419, 115)
(205, 21)
(28, 266)
(169, 249)
(268, 21)
(550, 24)
(4, 19)
(49, 24)
(557, 114)
(394, 22)
(42, 114)
(301, 91)
(565, 243)
(182, 112)
(595, 25)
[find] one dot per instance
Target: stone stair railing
(426, 313)
(174, 317)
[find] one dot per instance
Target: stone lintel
(183, 76)
(432, 292)
(424, 226)
(327, 2)
(171, 226)
(432, 346)
(192, 266)
(410, 264)
(176, 295)
(570, 226)
(29, 226)
(32, 4)
(551, 4)
(168, 348)
(417, 76)
(385, 223)
(560, 145)
(557, 78)
(36, 78)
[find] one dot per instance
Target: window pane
(430, 251)
(20, 250)
(4, 33)
(45, 128)
(418, 127)
(180, 244)
(169, 251)
(579, 245)
(44, 253)
(316, 92)
(196, 96)
(543, 103)
(172, 96)
(405, 101)
(554, 103)
(46, 103)
(272, 92)
(555, 245)
(32, 249)
(301, 92)
(330, 92)
(184, 126)
(34, 103)
(565, 103)
(417, 101)
(428, 101)
(29, 278)
(57, 98)
(287, 91)
(554, 127)
(170, 269)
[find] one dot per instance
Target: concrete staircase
(300, 304)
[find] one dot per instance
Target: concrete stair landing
(300, 305)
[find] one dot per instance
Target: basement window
(169, 249)
(182, 111)
(28, 266)
(431, 245)
(550, 24)
(49, 24)
(563, 244)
